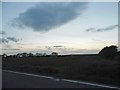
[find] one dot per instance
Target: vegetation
(109, 52)
(91, 68)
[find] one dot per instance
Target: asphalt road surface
(22, 80)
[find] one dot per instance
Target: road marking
(29, 74)
(57, 79)
(87, 83)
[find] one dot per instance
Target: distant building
(54, 54)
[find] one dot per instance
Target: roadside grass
(89, 68)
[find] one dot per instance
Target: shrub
(109, 52)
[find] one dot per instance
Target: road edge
(57, 79)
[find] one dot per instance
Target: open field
(80, 67)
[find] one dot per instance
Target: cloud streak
(3, 40)
(93, 29)
(13, 39)
(49, 15)
(53, 47)
(12, 49)
(58, 46)
(6, 40)
(2, 32)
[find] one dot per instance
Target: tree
(118, 55)
(109, 52)
(38, 54)
(44, 54)
(54, 54)
(30, 54)
(4, 55)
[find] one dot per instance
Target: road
(12, 79)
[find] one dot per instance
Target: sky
(63, 27)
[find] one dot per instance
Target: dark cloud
(107, 28)
(13, 39)
(90, 29)
(2, 32)
(6, 40)
(3, 40)
(49, 15)
(59, 46)
(111, 27)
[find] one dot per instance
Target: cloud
(111, 27)
(58, 46)
(53, 47)
(12, 49)
(3, 40)
(49, 15)
(90, 29)
(2, 32)
(47, 47)
(13, 39)
(6, 40)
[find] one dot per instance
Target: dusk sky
(63, 27)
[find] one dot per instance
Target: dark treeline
(30, 55)
(108, 52)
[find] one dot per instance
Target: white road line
(57, 79)
(29, 74)
(87, 83)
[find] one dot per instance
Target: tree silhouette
(54, 54)
(109, 52)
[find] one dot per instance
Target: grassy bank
(82, 67)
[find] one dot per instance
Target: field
(91, 68)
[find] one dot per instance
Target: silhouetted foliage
(109, 52)
(118, 52)
(4, 55)
(54, 54)
(118, 55)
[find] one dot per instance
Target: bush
(109, 52)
